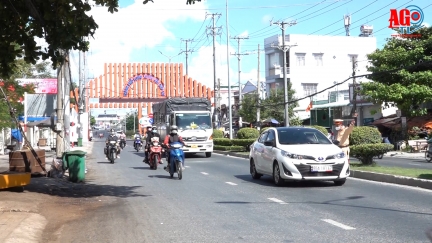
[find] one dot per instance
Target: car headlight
(339, 155)
(292, 156)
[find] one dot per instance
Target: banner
(42, 86)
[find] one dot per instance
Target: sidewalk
(20, 218)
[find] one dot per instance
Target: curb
(366, 175)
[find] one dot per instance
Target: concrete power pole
(238, 54)
(187, 53)
(258, 115)
(214, 31)
(80, 94)
(354, 108)
(66, 102)
(284, 48)
(59, 110)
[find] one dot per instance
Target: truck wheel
(208, 154)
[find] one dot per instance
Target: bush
(248, 133)
(222, 141)
(243, 142)
(229, 148)
(264, 129)
(217, 133)
(366, 152)
(321, 129)
(365, 135)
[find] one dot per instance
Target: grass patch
(244, 153)
(409, 172)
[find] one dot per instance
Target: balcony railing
(278, 71)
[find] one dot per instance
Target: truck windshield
(193, 121)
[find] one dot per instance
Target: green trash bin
(80, 142)
(74, 161)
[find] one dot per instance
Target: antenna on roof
(347, 23)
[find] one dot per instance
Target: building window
(309, 89)
(318, 59)
(300, 59)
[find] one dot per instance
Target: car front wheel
(276, 175)
(253, 171)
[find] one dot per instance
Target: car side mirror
(336, 142)
(270, 143)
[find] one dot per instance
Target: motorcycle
(428, 153)
(122, 143)
(176, 160)
(155, 153)
(112, 151)
(101, 135)
(138, 144)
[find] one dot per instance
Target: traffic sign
(143, 120)
(151, 120)
(150, 115)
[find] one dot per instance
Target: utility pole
(187, 52)
(285, 48)
(228, 72)
(214, 31)
(80, 94)
(258, 115)
(238, 54)
(59, 126)
(66, 102)
(354, 108)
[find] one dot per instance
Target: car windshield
(193, 121)
(302, 136)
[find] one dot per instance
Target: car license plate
(194, 146)
(321, 168)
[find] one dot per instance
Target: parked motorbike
(112, 151)
(176, 160)
(155, 154)
(138, 144)
(428, 153)
(122, 143)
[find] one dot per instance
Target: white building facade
(315, 63)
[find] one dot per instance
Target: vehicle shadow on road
(61, 187)
(161, 176)
(141, 168)
(268, 181)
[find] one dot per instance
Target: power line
(238, 54)
(187, 52)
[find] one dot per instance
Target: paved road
(217, 201)
(416, 163)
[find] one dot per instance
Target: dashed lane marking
(345, 227)
(277, 200)
(230, 183)
(204, 173)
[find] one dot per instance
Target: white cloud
(134, 27)
(266, 19)
(427, 25)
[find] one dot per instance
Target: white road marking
(204, 173)
(391, 184)
(277, 200)
(230, 183)
(345, 227)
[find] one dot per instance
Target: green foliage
(365, 135)
(130, 121)
(217, 133)
(130, 133)
(248, 107)
(222, 141)
(229, 148)
(273, 106)
(63, 24)
(408, 89)
(92, 120)
(248, 133)
(246, 143)
(366, 152)
(321, 129)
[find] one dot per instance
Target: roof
(249, 87)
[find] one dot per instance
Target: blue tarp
(17, 135)
(33, 119)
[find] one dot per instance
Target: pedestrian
(343, 134)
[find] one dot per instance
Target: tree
(63, 24)
(408, 89)
(248, 107)
(92, 120)
(273, 106)
(130, 122)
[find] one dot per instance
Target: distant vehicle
(297, 154)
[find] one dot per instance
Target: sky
(157, 32)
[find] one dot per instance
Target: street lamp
(169, 57)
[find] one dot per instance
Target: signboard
(359, 98)
(145, 121)
(42, 86)
(367, 121)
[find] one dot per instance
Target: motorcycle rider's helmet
(137, 132)
(149, 128)
(174, 129)
(112, 131)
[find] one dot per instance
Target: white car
(297, 154)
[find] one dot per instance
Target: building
(107, 120)
(315, 63)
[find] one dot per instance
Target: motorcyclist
(137, 135)
(122, 136)
(112, 137)
(149, 136)
(171, 138)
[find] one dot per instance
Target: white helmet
(174, 129)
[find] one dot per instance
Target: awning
(43, 123)
(330, 105)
